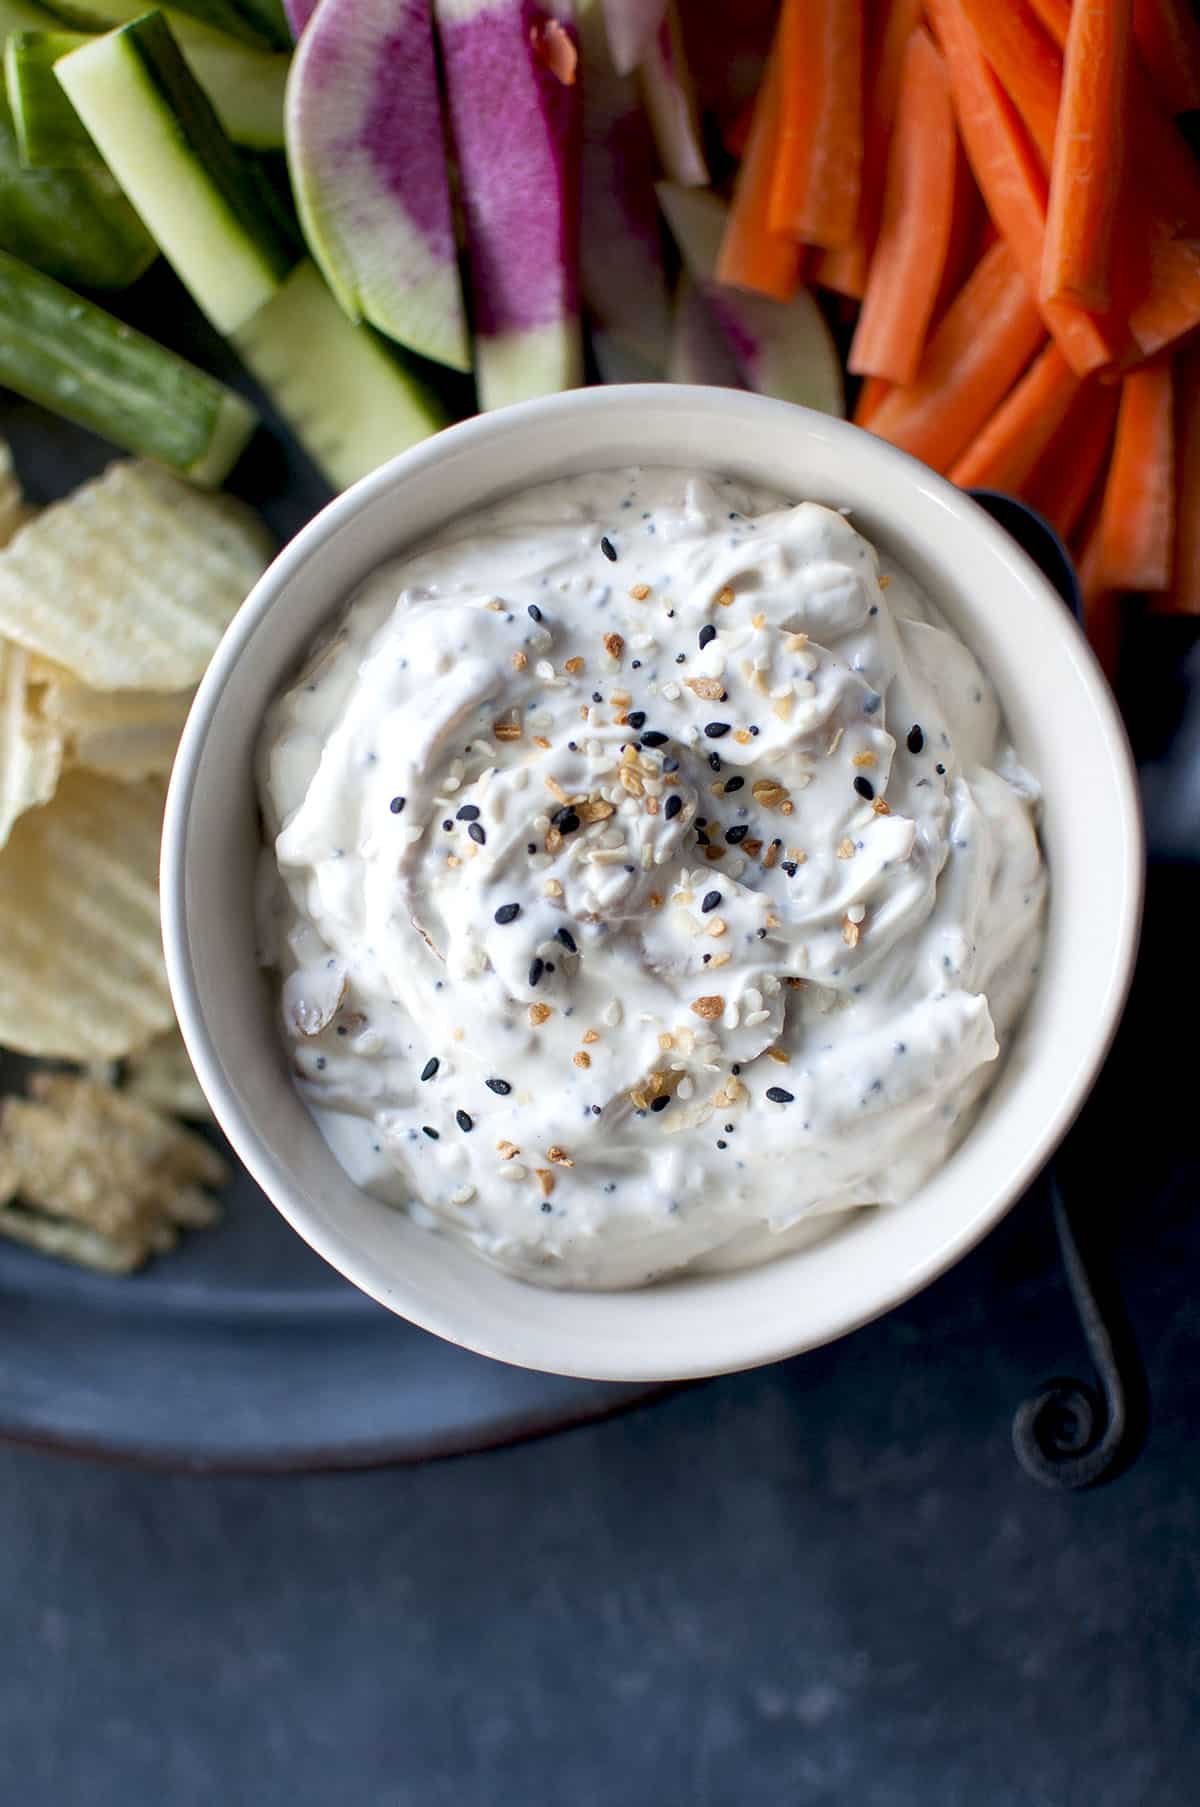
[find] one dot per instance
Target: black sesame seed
(706, 959)
(568, 822)
(711, 900)
(714, 760)
(864, 787)
(753, 729)
(468, 813)
(791, 868)
(716, 730)
(708, 634)
(653, 738)
(476, 832)
(736, 1071)
(397, 804)
(536, 969)
(547, 1207)
(777, 1095)
(608, 549)
(636, 665)
(535, 614)
(320, 1063)
(721, 1144)
(507, 913)
(501, 1087)
(940, 770)
(567, 939)
(531, 846)
(464, 1121)
(596, 697)
(673, 806)
(430, 1068)
(729, 1129)
(733, 784)
(659, 1104)
(916, 739)
(431, 1133)
(637, 719)
(737, 833)
(447, 824)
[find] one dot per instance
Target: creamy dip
(649, 872)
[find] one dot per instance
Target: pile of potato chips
(111, 605)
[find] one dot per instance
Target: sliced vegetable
(60, 350)
(700, 351)
(1068, 472)
(815, 191)
(918, 213)
(1168, 38)
(989, 333)
(780, 348)
(1103, 608)
(873, 390)
(1171, 307)
(368, 166)
(299, 12)
(1026, 62)
(753, 256)
(269, 20)
(671, 103)
(631, 25)
(1137, 518)
(157, 131)
(49, 132)
(74, 224)
(515, 124)
(1088, 152)
(348, 398)
(216, 15)
(1004, 454)
(1183, 597)
(621, 261)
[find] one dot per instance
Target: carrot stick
(736, 135)
(1137, 518)
(869, 397)
(1054, 16)
(914, 236)
(1004, 453)
(1088, 152)
(1172, 307)
(971, 234)
(1183, 598)
(1012, 183)
(1169, 40)
(818, 170)
(752, 256)
(1069, 470)
(1026, 61)
(990, 332)
(1103, 607)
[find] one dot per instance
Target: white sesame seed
(545, 670)
(613, 1013)
(539, 861)
(463, 1196)
(755, 1017)
(672, 691)
(512, 1170)
(856, 912)
(684, 1089)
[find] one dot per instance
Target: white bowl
(1066, 730)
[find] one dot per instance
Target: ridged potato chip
(130, 582)
(126, 734)
(81, 967)
(99, 1178)
(13, 509)
(161, 1076)
(31, 749)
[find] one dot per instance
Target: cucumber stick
(350, 401)
(244, 81)
(50, 134)
(206, 207)
(73, 358)
(218, 15)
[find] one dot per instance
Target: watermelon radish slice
(514, 103)
(299, 12)
(631, 24)
(621, 253)
(781, 348)
(699, 349)
(671, 104)
(368, 166)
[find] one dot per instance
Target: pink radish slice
(630, 25)
(699, 349)
(621, 261)
(515, 125)
(781, 348)
(298, 13)
(671, 104)
(367, 158)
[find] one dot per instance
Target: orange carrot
(1088, 154)
(1183, 598)
(1012, 184)
(1103, 607)
(1068, 472)
(1169, 40)
(736, 135)
(1054, 17)
(818, 170)
(843, 270)
(971, 234)
(1138, 514)
(1172, 306)
(1004, 453)
(918, 210)
(1026, 62)
(869, 397)
(990, 332)
(752, 256)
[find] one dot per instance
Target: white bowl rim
(765, 1342)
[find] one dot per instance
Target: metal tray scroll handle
(1071, 1434)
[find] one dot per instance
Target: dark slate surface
(823, 1582)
